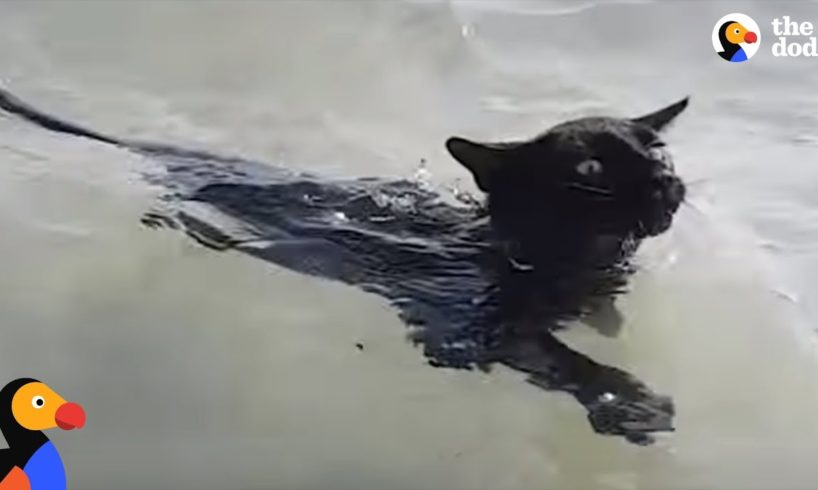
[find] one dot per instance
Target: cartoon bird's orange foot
(15, 480)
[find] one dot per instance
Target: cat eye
(589, 167)
(657, 153)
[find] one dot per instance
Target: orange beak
(70, 416)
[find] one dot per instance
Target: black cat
(478, 284)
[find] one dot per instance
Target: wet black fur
(477, 284)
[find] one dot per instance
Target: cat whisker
(695, 187)
(694, 207)
(600, 191)
(697, 182)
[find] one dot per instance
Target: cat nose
(670, 185)
(663, 178)
(677, 190)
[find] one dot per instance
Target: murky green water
(207, 370)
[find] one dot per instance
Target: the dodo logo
(31, 462)
(736, 37)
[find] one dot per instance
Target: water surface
(213, 370)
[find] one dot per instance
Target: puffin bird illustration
(31, 462)
(731, 35)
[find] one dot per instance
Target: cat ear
(661, 118)
(481, 159)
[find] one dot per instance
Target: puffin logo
(736, 37)
(31, 462)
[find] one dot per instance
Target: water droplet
(607, 397)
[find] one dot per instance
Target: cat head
(614, 174)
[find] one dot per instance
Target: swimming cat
(479, 283)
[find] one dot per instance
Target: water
(213, 370)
